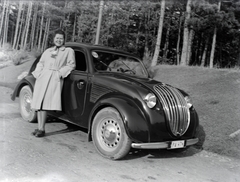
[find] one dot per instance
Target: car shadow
(69, 127)
(161, 153)
(174, 153)
(138, 153)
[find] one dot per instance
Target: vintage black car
(111, 94)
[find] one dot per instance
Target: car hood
(125, 82)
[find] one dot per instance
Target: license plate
(177, 144)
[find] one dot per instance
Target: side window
(81, 64)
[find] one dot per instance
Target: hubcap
(110, 133)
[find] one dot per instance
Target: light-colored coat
(53, 66)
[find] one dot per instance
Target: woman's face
(58, 40)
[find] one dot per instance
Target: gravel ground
(64, 155)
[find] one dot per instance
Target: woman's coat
(53, 66)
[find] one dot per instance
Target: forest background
(182, 32)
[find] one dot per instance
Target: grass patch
(17, 57)
(20, 56)
(215, 96)
(3, 57)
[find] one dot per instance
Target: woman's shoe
(35, 131)
(40, 133)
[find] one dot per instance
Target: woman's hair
(59, 32)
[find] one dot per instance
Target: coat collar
(62, 48)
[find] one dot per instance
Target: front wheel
(109, 135)
(25, 99)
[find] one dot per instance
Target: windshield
(112, 62)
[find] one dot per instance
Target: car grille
(175, 108)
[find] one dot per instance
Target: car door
(75, 89)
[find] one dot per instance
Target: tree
(165, 49)
(17, 25)
(159, 36)
(99, 21)
(214, 41)
(41, 26)
(204, 53)
(186, 34)
(133, 26)
(34, 24)
(20, 29)
(74, 27)
(189, 48)
(27, 24)
(2, 19)
(5, 31)
(179, 39)
(46, 34)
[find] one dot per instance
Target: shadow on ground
(137, 153)
(69, 127)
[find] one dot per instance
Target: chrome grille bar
(175, 108)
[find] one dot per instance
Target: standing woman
(55, 64)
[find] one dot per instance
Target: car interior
(81, 64)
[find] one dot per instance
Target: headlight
(188, 100)
(150, 100)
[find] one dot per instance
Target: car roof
(98, 47)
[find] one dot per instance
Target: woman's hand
(59, 75)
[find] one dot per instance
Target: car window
(113, 62)
(80, 61)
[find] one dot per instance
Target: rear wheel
(109, 135)
(25, 99)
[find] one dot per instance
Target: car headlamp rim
(188, 101)
(151, 100)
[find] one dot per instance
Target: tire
(25, 98)
(114, 144)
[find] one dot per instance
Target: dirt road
(65, 155)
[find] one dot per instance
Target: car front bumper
(162, 145)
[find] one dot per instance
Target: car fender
(28, 80)
(134, 119)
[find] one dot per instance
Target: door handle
(80, 84)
